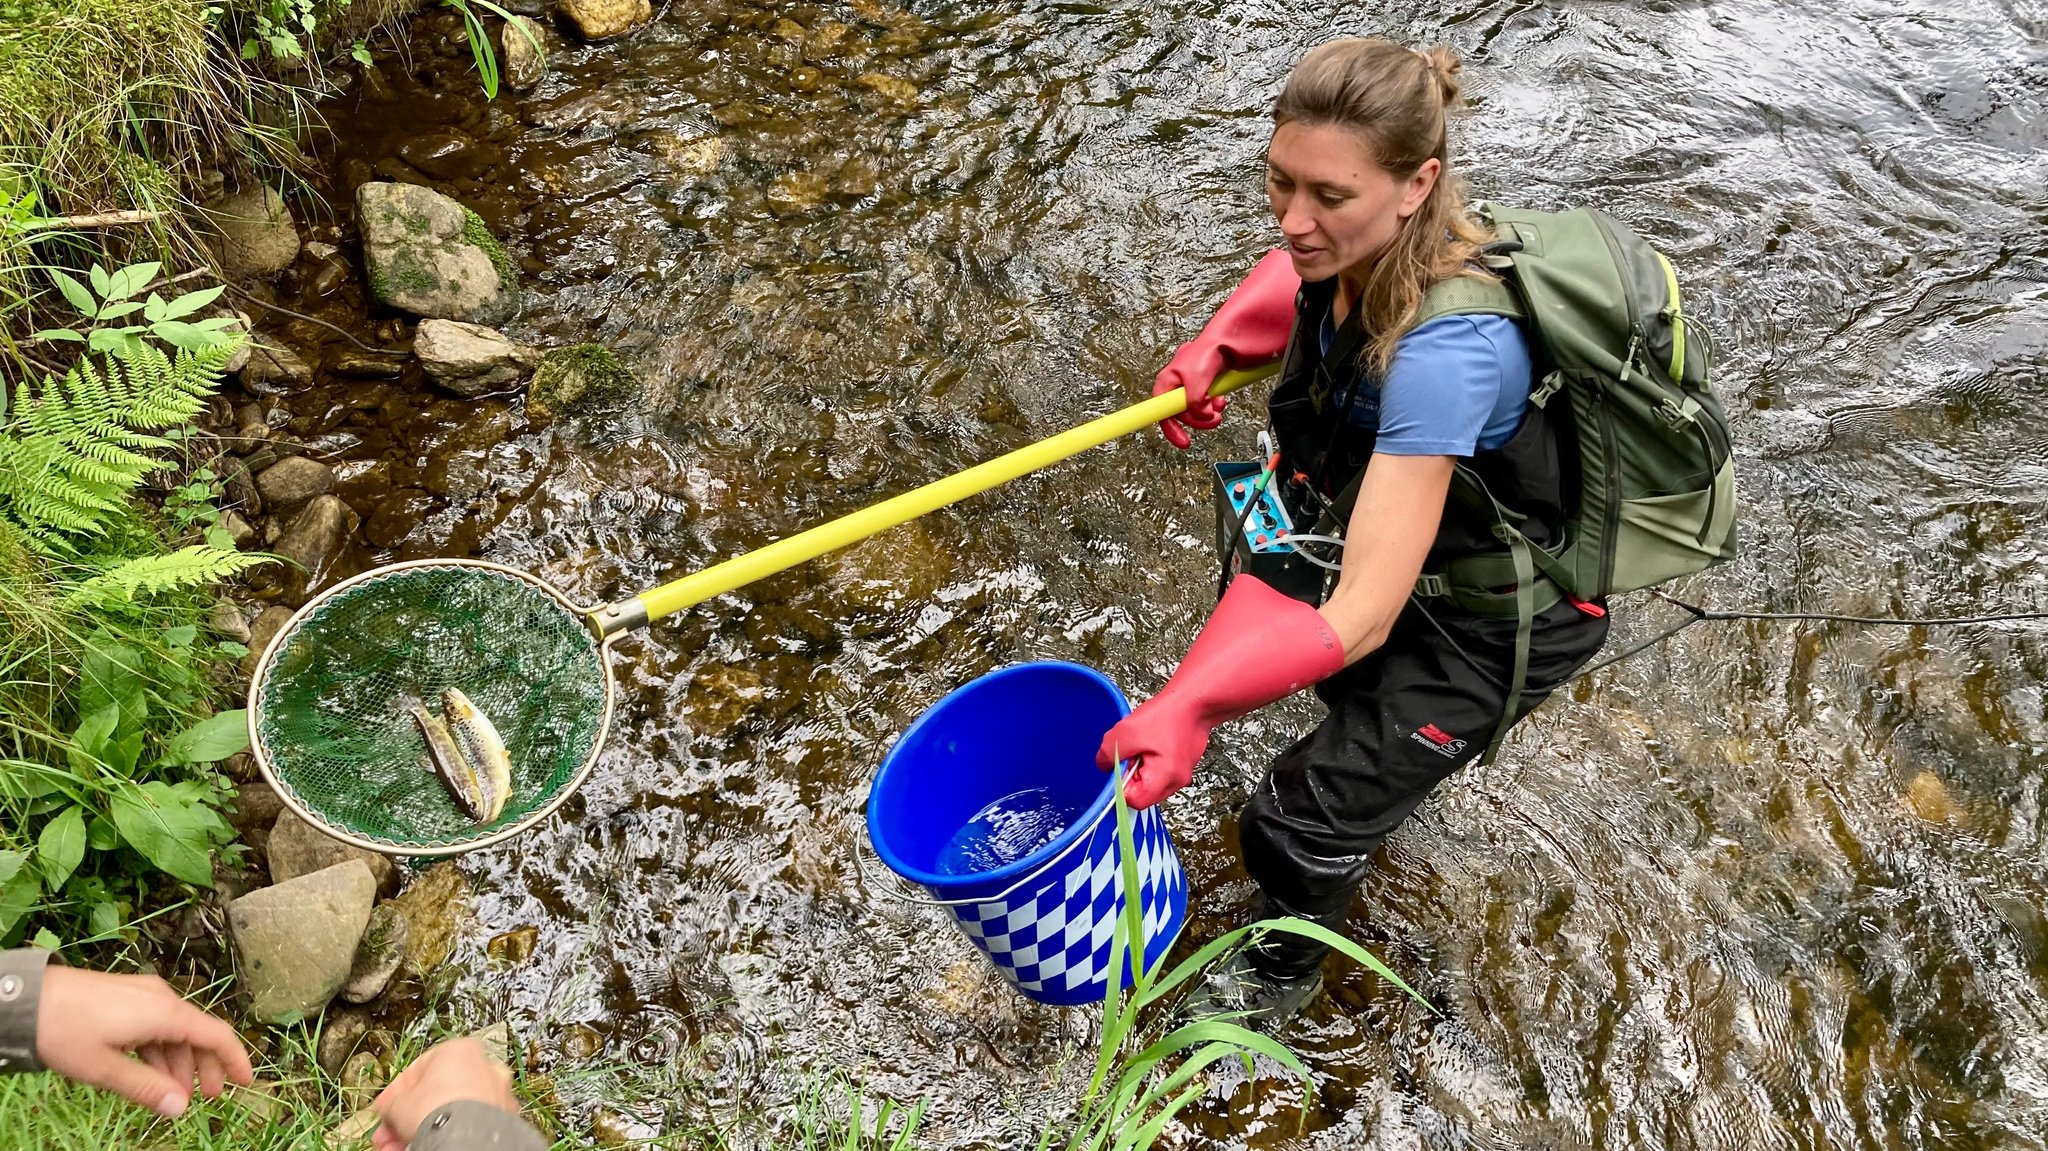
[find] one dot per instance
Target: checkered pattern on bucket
(1052, 939)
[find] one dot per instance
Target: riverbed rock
(361, 1078)
(378, 955)
(262, 630)
(312, 542)
(227, 621)
(255, 808)
(343, 1032)
(274, 369)
(252, 233)
(431, 907)
(604, 19)
(240, 531)
(287, 484)
(445, 155)
(354, 1132)
(296, 940)
(298, 848)
(429, 255)
(496, 1040)
(525, 56)
(515, 946)
(582, 379)
(470, 359)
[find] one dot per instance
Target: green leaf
(170, 827)
(116, 311)
(249, 50)
(181, 636)
(47, 940)
(10, 864)
(210, 740)
(61, 334)
(179, 334)
(75, 292)
(114, 673)
(94, 733)
(61, 848)
(100, 834)
(191, 302)
(361, 52)
(124, 752)
(105, 919)
(132, 279)
(101, 282)
(107, 342)
(18, 896)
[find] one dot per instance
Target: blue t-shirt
(1458, 384)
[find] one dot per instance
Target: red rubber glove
(1251, 328)
(1259, 646)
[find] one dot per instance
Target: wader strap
(1525, 625)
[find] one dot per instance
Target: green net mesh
(331, 710)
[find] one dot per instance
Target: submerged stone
(429, 255)
(431, 907)
(525, 52)
(580, 379)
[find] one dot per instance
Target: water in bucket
(1006, 831)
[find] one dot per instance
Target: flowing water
(1767, 886)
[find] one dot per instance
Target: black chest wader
(1486, 637)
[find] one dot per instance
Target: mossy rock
(581, 379)
(430, 256)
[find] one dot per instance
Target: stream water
(1767, 886)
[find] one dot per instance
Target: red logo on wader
(1438, 740)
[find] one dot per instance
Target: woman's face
(1337, 207)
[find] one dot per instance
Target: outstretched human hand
(449, 1072)
(89, 1023)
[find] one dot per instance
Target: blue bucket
(1045, 919)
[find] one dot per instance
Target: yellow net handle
(827, 537)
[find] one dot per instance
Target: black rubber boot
(1270, 982)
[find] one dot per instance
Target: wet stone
(226, 621)
(254, 809)
(262, 630)
(252, 233)
(798, 191)
(445, 155)
(581, 379)
(604, 19)
(298, 848)
(362, 365)
(525, 55)
(579, 1043)
(342, 1034)
(379, 954)
(470, 359)
(275, 369)
(515, 946)
(240, 487)
(721, 695)
(431, 907)
(496, 1040)
(290, 482)
(312, 542)
(295, 940)
(396, 517)
(894, 89)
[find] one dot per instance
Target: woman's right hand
(449, 1072)
(1194, 367)
(1250, 329)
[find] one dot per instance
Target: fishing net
(328, 707)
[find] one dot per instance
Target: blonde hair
(1397, 98)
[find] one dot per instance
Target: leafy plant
(1143, 1079)
(486, 56)
(111, 297)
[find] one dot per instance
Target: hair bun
(1447, 67)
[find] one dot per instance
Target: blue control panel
(1268, 528)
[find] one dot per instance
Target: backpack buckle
(1674, 415)
(1550, 386)
(1432, 585)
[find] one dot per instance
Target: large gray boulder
(291, 481)
(470, 359)
(430, 256)
(312, 542)
(252, 233)
(296, 940)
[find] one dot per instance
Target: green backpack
(1655, 481)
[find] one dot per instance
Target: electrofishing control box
(1260, 540)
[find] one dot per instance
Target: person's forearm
(1400, 504)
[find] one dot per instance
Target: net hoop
(289, 794)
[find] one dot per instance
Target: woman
(1403, 365)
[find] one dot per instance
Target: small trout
(482, 747)
(449, 763)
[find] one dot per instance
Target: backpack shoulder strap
(1469, 295)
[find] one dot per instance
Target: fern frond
(194, 566)
(72, 448)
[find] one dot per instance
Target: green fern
(72, 449)
(195, 566)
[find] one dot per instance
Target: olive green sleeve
(470, 1125)
(21, 994)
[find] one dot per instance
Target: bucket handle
(892, 885)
